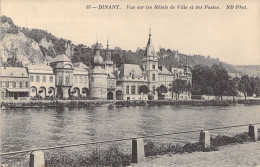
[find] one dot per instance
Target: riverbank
(120, 103)
(246, 154)
(114, 156)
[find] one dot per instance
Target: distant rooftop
(59, 58)
(128, 69)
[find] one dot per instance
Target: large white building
(42, 80)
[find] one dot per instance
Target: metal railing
(122, 139)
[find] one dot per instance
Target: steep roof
(59, 58)
(127, 69)
(40, 69)
(13, 72)
(80, 65)
(164, 71)
(149, 51)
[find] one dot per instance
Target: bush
(225, 140)
(152, 149)
(110, 157)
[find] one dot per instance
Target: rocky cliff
(19, 48)
(15, 48)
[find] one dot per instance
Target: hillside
(32, 46)
(251, 70)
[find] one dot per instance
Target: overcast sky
(232, 36)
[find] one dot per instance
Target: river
(33, 128)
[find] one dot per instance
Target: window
(75, 79)
(153, 89)
(26, 84)
(60, 80)
(43, 78)
(138, 90)
(85, 80)
(31, 78)
(153, 77)
(14, 84)
(145, 67)
(37, 78)
(67, 79)
(133, 90)
(133, 76)
(127, 89)
(153, 67)
(51, 79)
(21, 84)
(80, 79)
(7, 84)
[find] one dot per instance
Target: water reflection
(32, 128)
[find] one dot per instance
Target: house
(14, 83)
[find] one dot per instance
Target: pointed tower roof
(149, 52)
(107, 44)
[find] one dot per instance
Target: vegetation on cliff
(83, 53)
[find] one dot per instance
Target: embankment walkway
(238, 155)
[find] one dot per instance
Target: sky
(231, 35)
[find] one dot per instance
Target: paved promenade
(239, 155)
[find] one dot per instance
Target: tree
(220, 79)
(257, 86)
(144, 89)
(99, 44)
(162, 89)
(244, 85)
(201, 79)
(232, 88)
(178, 86)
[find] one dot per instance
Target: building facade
(42, 80)
(14, 83)
(63, 79)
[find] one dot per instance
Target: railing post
(205, 139)
(253, 132)
(37, 159)
(138, 151)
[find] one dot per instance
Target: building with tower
(111, 72)
(63, 79)
(98, 77)
(63, 71)
(150, 66)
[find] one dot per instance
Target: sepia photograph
(138, 83)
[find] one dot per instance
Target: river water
(23, 129)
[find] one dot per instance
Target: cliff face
(19, 48)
